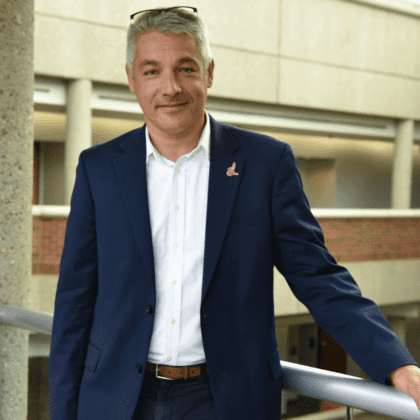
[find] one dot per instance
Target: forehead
(159, 44)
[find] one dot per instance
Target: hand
(407, 379)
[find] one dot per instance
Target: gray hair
(173, 21)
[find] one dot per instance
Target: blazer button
(139, 368)
(149, 309)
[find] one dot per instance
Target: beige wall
(51, 127)
(348, 173)
(413, 338)
(319, 178)
(415, 200)
(349, 56)
(364, 172)
(387, 283)
(376, 279)
(53, 172)
(325, 54)
(336, 173)
(50, 130)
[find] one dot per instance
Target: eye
(150, 73)
(187, 70)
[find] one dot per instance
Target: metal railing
(312, 382)
(64, 211)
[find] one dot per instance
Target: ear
(130, 79)
(210, 72)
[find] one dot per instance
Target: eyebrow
(148, 63)
(188, 60)
(183, 60)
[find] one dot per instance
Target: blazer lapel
(221, 195)
(132, 178)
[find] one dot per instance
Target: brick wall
(347, 239)
(372, 239)
(47, 244)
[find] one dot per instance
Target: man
(164, 306)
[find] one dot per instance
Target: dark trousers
(160, 399)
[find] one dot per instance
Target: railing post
(16, 172)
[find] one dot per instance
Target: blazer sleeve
(74, 302)
(324, 287)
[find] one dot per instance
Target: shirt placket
(176, 257)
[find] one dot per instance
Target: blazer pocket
(239, 223)
(275, 366)
(92, 358)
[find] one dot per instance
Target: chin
(177, 126)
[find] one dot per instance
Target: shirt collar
(203, 143)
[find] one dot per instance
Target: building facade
(337, 79)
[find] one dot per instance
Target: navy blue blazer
(104, 308)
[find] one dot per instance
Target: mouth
(173, 105)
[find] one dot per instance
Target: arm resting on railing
(349, 390)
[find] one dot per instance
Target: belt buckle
(162, 377)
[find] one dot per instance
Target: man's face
(170, 82)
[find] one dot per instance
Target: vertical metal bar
(349, 414)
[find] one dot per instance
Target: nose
(171, 85)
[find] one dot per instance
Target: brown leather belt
(175, 372)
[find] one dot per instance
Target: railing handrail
(47, 210)
(349, 390)
(27, 319)
(316, 383)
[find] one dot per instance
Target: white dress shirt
(178, 208)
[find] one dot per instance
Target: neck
(174, 145)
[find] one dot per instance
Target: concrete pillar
(78, 129)
(16, 173)
(402, 171)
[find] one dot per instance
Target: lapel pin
(231, 170)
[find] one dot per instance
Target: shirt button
(178, 171)
(169, 358)
(176, 244)
(172, 321)
(173, 281)
(177, 207)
